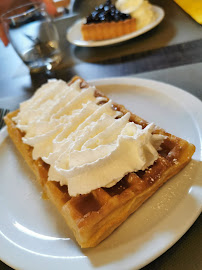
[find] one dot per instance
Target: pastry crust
(107, 30)
(94, 216)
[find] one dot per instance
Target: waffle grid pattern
(93, 216)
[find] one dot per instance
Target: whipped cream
(128, 6)
(140, 9)
(87, 144)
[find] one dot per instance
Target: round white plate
(74, 35)
(33, 235)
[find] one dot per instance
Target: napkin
(192, 7)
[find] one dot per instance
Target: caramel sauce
(166, 146)
(118, 188)
(86, 203)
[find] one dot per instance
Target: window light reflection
(40, 254)
(37, 235)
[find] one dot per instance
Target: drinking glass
(34, 36)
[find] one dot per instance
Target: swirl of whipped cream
(141, 10)
(87, 144)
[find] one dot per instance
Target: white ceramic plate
(74, 35)
(33, 235)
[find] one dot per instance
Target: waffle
(94, 216)
(107, 30)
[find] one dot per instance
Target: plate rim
(152, 85)
(81, 43)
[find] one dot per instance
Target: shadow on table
(154, 39)
(40, 78)
(4, 267)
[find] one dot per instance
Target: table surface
(170, 53)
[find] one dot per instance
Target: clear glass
(34, 36)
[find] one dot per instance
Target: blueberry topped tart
(106, 22)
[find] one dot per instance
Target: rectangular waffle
(94, 216)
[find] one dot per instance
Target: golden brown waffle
(94, 216)
(107, 30)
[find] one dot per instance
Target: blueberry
(102, 18)
(95, 15)
(116, 18)
(89, 19)
(108, 3)
(101, 14)
(106, 8)
(106, 12)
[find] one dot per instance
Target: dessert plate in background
(74, 35)
(33, 235)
